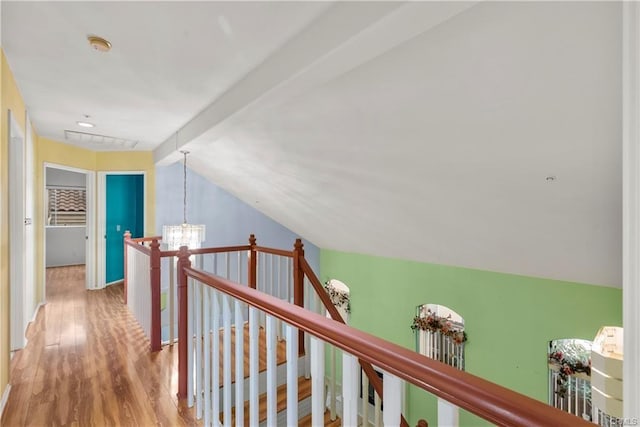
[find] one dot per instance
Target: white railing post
(206, 354)
(292, 375)
(190, 284)
(197, 314)
(215, 351)
(392, 398)
(239, 321)
(332, 384)
(377, 410)
(317, 382)
(226, 349)
(447, 413)
(171, 299)
(254, 343)
(350, 370)
(365, 399)
(272, 380)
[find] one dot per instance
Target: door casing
(101, 254)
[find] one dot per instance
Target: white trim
(90, 249)
(17, 261)
(35, 312)
(29, 223)
(5, 398)
(101, 217)
(631, 207)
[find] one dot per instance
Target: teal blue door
(125, 211)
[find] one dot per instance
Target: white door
(16, 233)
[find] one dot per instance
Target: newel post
(183, 307)
(154, 271)
(253, 262)
(298, 285)
(127, 236)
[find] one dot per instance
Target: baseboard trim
(35, 312)
(5, 398)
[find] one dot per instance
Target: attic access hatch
(92, 140)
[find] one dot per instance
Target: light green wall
(509, 318)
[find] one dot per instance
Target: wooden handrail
(147, 239)
(490, 401)
(274, 251)
(374, 379)
(134, 244)
(202, 251)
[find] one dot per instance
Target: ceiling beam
(339, 23)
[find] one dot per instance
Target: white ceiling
(422, 131)
(169, 60)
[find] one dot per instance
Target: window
(66, 206)
(570, 376)
(440, 334)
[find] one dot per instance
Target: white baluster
(254, 343)
(227, 262)
(289, 273)
(239, 267)
(215, 352)
(307, 305)
(226, 349)
(197, 314)
(332, 384)
(292, 375)
(190, 343)
(365, 399)
(392, 400)
(276, 293)
(377, 410)
(239, 321)
(170, 299)
(317, 382)
(447, 412)
(350, 369)
(206, 299)
(272, 381)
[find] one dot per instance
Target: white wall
(65, 245)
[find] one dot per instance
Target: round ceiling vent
(99, 44)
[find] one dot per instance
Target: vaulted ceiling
(485, 135)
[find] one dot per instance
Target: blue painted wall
(125, 211)
(229, 220)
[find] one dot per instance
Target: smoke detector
(99, 44)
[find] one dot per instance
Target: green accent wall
(509, 319)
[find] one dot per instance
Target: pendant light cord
(184, 180)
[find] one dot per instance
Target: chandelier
(185, 234)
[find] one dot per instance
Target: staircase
(304, 384)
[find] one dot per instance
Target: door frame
(101, 254)
(31, 305)
(17, 268)
(90, 236)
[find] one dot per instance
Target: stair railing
(151, 280)
(490, 401)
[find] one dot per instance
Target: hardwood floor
(87, 363)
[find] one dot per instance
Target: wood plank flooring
(87, 363)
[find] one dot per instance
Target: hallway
(87, 362)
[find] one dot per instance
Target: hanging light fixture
(184, 234)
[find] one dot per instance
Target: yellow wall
(10, 99)
(134, 161)
(48, 151)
